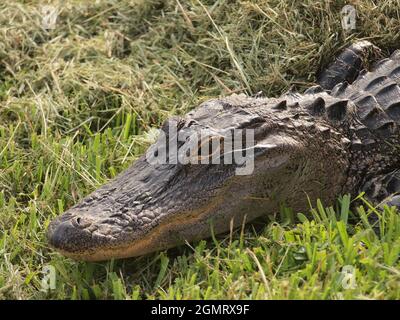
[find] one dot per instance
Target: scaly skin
(319, 144)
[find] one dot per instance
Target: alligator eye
(78, 220)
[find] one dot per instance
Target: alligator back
(376, 94)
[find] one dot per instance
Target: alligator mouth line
(156, 238)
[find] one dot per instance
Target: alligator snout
(69, 235)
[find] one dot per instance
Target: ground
(81, 101)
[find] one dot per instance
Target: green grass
(79, 103)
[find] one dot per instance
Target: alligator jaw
(144, 209)
(73, 235)
(157, 239)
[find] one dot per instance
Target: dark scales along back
(376, 94)
(348, 64)
(376, 139)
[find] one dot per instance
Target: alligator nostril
(80, 222)
(67, 237)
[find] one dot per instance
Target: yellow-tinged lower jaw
(169, 233)
(157, 239)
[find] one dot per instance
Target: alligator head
(156, 204)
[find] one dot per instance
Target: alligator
(338, 137)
